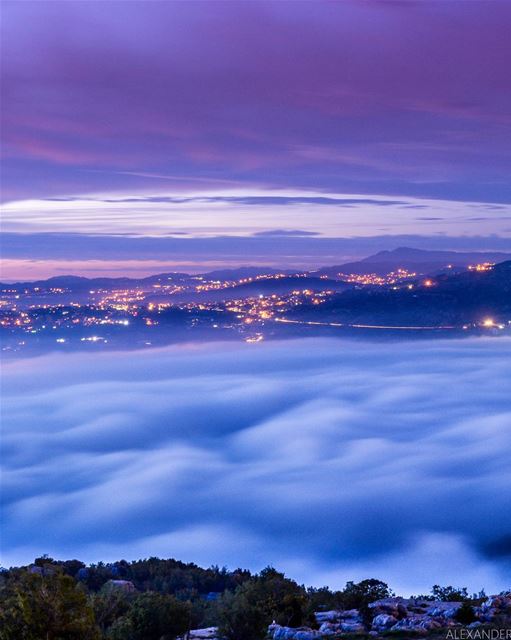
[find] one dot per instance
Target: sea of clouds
(332, 460)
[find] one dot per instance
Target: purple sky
(111, 107)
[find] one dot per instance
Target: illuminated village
(184, 307)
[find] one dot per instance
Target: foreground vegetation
(157, 599)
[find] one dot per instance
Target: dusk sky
(196, 134)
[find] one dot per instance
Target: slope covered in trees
(157, 599)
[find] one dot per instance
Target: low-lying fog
(331, 460)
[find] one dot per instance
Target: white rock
(327, 616)
(443, 609)
(289, 633)
(208, 633)
(383, 621)
(352, 626)
(392, 606)
(350, 614)
(328, 629)
(420, 624)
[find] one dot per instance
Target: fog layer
(331, 460)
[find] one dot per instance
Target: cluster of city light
(392, 277)
(260, 308)
(37, 319)
(490, 323)
(56, 310)
(215, 285)
(120, 300)
(258, 337)
(484, 266)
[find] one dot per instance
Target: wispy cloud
(285, 232)
(245, 211)
(36, 255)
(195, 92)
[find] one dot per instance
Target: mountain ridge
(423, 261)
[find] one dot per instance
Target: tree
(360, 594)
(110, 605)
(152, 616)
(450, 594)
(45, 607)
(240, 618)
(321, 599)
(267, 597)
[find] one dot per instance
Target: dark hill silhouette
(418, 260)
(467, 297)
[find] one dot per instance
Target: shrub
(465, 614)
(450, 594)
(267, 597)
(155, 616)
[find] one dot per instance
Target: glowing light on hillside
(485, 266)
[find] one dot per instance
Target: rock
(35, 569)
(500, 603)
(327, 616)
(352, 626)
(289, 633)
(443, 610)
(344, 626)
(494, 606)
(350, 614)
(275, 631)
(396, 607)
(383, 621)
(305, 634)
(125, 585)
(328, 629)
(208, 633)
(419, 624)
(332, 622)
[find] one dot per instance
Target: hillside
(420, 261)
(260, 287)
(468, 297)
(162, 599)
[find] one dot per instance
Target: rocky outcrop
(383, 622)
(123, 585)
(415, 615)
(289, 633)
(208, 633)
(396, 607)
(328, 616)
(417, 624)
(494, 607)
